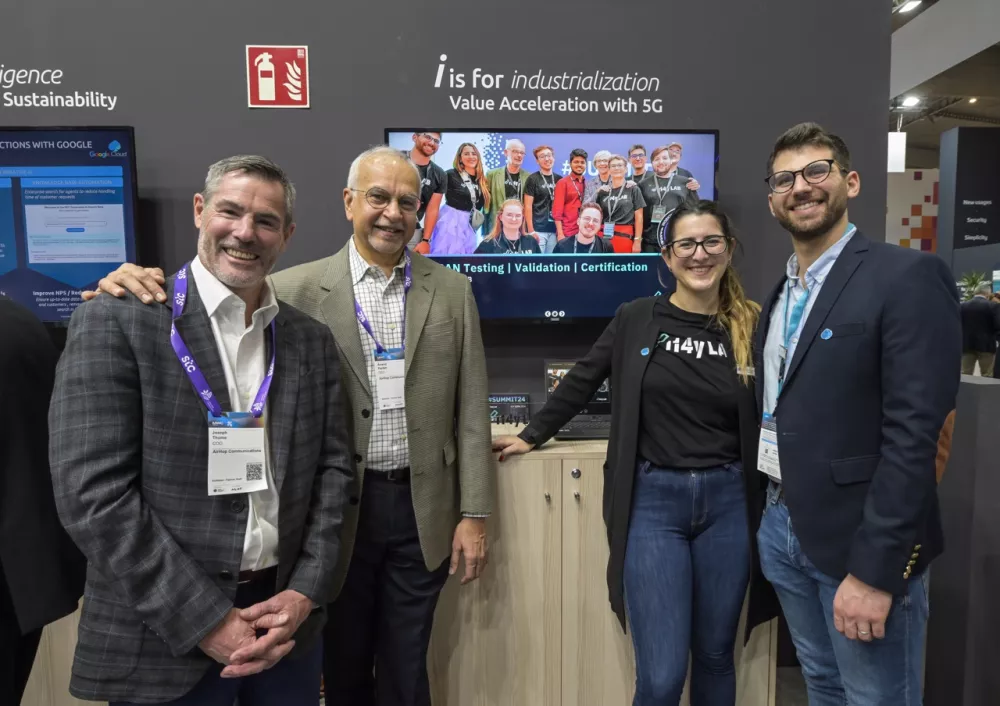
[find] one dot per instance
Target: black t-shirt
(638, 178)
(669, 192)
(432, 181)
(511, 185)
(457, 193)
(620, 203)
(525, 245)
(689, 414)
(541, 188)
(569, 246)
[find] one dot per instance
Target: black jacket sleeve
(576, 389)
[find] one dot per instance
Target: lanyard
(576, 185)
(612, 209)
(191, 367)
(791, 326)
(577, 243)
(363, 320)
(517, 177)
(472, 188)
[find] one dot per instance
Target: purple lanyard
(363, 319)
(190, 366)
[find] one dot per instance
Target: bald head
(383, 154)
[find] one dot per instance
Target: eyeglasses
(712, 245)
(380, 198)
(814, 173)
(427, 137)
(588, 219)
(637, 155)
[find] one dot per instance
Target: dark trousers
(17, 651)
(380, 625)
(290, 682)
(687, 564)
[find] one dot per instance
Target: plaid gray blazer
(128, 452)
(447, 407)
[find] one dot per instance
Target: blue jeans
(546, 241)
(687, 564)
(839, 671)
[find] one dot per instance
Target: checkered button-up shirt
(381, 298)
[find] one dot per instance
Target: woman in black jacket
(682, 494)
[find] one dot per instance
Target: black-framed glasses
(380, 198)
(427, 137)
(637, 155)
(687, 247)
(814, 173)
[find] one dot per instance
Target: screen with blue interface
(67, 213)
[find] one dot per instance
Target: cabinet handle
(576, 494)
(575, 473)
(548, 497)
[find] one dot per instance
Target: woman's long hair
(737, 314)
(498, 225)
(480, 177)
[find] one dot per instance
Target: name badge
(658, 213)
(609, 229)
(235, 454)
(767, 449)
(390, 374)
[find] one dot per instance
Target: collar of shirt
(359, 267)
(220, 299)
(818, 271)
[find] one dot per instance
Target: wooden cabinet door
(598, 666)
(496, 641)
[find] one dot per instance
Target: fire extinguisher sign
(277, 76)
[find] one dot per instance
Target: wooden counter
(536, 629)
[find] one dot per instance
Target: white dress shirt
(244, 351)
(381, 298)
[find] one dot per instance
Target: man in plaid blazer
(204, 586)
(426, 477)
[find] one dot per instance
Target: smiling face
(511, 217)
(638, 159)
(578, 165)
(242, 229)
(617, 167)
(385, 230)
(589, 221)
(427, 143)
(807, 210)
(545, 160)
(662, 163)
(701, 272)
(515, 155)
(601, 165)
(469, 158)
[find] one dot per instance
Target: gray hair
(511, 143)
(603, 154)
(374, 153)
(985, 288)
(252, 165)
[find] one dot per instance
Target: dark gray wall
(748, 69)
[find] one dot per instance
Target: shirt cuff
(476, 515)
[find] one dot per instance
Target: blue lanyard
(791, 326)
(363, 318)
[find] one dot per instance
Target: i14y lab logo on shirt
(277, 76)
(690, 346)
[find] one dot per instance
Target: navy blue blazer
(864, 410)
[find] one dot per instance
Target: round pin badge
(644, 351)
(826, 335)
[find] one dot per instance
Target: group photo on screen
(553, 193)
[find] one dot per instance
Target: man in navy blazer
(859, 348)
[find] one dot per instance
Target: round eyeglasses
(814, 173)
(712, 245)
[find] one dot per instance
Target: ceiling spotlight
(910, 101)
(910, 6)
(973, 100)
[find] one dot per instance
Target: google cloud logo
(114, 150)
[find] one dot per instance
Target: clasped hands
(234, 641)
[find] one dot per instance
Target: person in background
(682, 495)
(858, 351)
(508, 236)
(602, 164)
(432, 187)
(506, 182)
(425, 482)
(676, 151)
(41, 570)
(568, 196)
(588, 240)
(663, 190)
(206, 484)
(980, 327)
(539, 191)
(467, 196)
(622, 207)
(637, 156)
